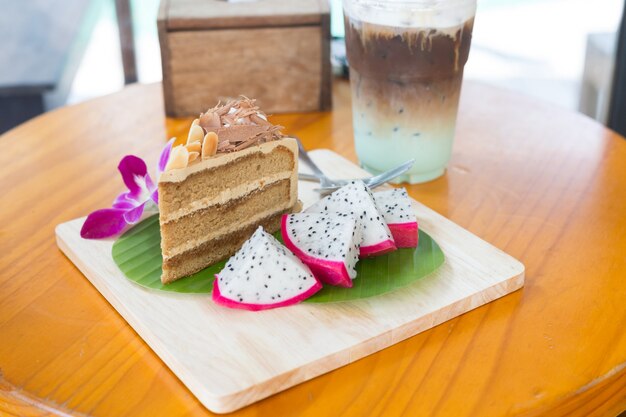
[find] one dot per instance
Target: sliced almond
(209, 146)
(178, 158)
(196, 122)
(193, 156)
(194, 147)
(210, 120)
(195, 134)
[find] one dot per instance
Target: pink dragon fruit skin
(262, 275)
(379, 249)
(405, 234)
(355, 199)
(328, 251)
(395, 206)
(227, 302)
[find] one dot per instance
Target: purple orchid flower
(128, 206)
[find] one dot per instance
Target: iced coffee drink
(406, 66)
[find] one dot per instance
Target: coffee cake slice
(225, 182)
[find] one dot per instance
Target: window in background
(537, 47)
(101, 69)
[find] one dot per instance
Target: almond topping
(178, 158)
(193, 156)
(194, 147)
(195, 134)
(209, 146)
(210, 120)
(196, 122)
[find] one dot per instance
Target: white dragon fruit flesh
(355, 199)
(263, 274)
(395, 206)
(327, 242)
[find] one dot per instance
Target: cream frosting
(178, 175)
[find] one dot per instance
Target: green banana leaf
(138, 255)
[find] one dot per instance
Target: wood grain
(214, 50)
(544, 184)
(271, 70)
(230, 359)
(212, 14)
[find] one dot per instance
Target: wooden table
(546, 185)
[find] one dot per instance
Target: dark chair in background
(42, 43)
(617, 109)
(127, 40)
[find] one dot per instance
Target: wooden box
(273, 50)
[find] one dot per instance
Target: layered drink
(406, 68)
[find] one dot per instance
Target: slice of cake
(236, 172)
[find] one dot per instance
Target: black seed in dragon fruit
(395, 206)
(328, 243)
(355, 199)
(263, 274)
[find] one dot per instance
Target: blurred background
(561, 51)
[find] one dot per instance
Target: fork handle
(306, 158)
(308, 177)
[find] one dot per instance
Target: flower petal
(132, 216)
(165, 156)
(149, 184)
(103, 223)
(125, 201)
(155, 196)
(131, 167)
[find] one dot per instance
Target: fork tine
(389, 175)
(374, 182)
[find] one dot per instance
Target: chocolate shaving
(239, 124)
(223, 145)
(239, 133)
(259, 120)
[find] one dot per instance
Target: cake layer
(211, 222)
(227, 195)
(215, 250)
(215, 182)
(210, 207)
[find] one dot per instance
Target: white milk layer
(436, 14)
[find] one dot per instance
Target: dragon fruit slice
(355, 199)
(327, 242)
(395, 206)
(263, 274)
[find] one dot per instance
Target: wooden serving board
(231, 358)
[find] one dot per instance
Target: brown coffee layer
(215, 250)
(432, 101)
(210, 183)
(209, 222)
(405, 55)
(399, 73)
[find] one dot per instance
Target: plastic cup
(406, 68)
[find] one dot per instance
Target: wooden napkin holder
(273, 50)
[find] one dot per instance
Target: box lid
(220, 14)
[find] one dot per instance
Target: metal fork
(328, 185)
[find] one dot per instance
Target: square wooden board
(231, 358)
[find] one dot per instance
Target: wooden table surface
(544, 184)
